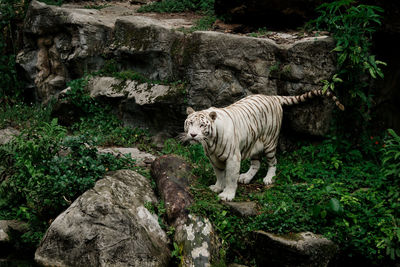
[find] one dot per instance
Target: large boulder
(302, 249)
(219, 68)
(108, 225)
(244, 208)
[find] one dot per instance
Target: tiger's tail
(292, 100)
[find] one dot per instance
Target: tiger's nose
(193, 135)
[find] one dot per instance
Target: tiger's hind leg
(245, 178)
(271, 161)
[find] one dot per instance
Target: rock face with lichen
(198, 241)
(108, 225)
(194, 235)
(63, 43)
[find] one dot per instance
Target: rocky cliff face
(63, 43)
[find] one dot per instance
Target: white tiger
(246, 129)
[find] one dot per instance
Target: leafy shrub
(170, 6)
(391, 170)
(108, 130)
(48, 171)
(391, 156)
(352, 27)
(204, 24)
(22, 115)
(79, 96)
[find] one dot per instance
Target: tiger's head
(198, 125)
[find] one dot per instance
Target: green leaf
(334, 205)
(378, 62)
(337, 49)
(336, 79)
(325, 88)
(316, 210)
(342, 58)
(323, 214)
(380, 73)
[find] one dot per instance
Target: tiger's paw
(215, 188)
(226, 196)
(267, 181)
(244, 178)
(270, 174)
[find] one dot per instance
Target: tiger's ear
(213, 115)
(189, 110)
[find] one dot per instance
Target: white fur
(233, 134)
(245, 178)
(270, 174)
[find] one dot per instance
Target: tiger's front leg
(231, 178)
(220, 184)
